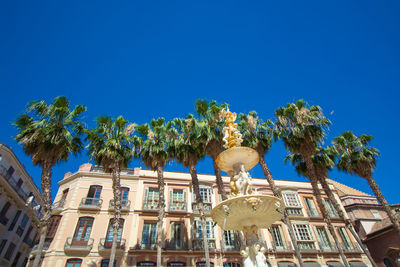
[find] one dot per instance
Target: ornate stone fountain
(244, 211)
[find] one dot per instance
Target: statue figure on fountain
(254, 256)
(241, 183)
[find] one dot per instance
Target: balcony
(46, 246)
(150, 205)
(58, 206)
(90, 203)
(207, 208)
(143, 246)
(199, 245)
(306, 246)
(13, 182)
(105, 246)
(74, 245)
(177, 207)
(125, 205)
(294, 212)
(175, 245)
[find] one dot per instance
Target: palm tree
(302, 128)
(357, 157)
(152, 149)
(210, 113)
(258, 135)
(189, 146)
(110, 145)
(324, 160)
(50, 134)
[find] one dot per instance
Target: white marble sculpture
(242, 182)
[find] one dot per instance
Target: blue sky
(146, 59)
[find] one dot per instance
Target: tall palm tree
(50, 134)
(324, 160)
(152, 149)
(189, 146)
(302, 128)
(110, 145)
(257, 134)
(210, 113)
(357, 157)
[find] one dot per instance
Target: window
(93, 196)
(2, 245)
(19, 183)
(199, 231)
(291, 199)
(54, 222)
(124, 193)
(9, 251)
(323, 238)
(277, 237)
(149, 234)
(104, 263)
(83, 229)
(376, 215)
(330, 208)
(311, 209)
(176, 234)
(346, 244)
(10, 172)
(5, 209)
(109, 236)
(150, 199)
(16, 259)
(64, 194)
(205, 194)
(302, 232)
(177, 199)
(14, 221)
(229, 238)
(73, 263)
(22, 225)
(231, 264)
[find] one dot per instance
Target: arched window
(93, 196)
(83, 229)
(109, 236)
(73, 263)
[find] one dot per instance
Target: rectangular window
(149, 234)
(22, 225)
(124, 193)
(10, 251)
(64, 194)
(83, 229)
(311, 209)
(54, 222)
(229, 238)
(109, 236)
(14, 221)
(5, 209)
(291, 200)
(302, 232)
(323, 238)
(205, 194)
(330, 208)
(151, 199)
(2, 245)
(176, 234)
(199, 231)
(177, 200)
(346, 243)
(10, 172)
(19, 183)
(16, 259)
(277, 237)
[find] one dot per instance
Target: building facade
(372, 224)
(20, 205)
(80, 233)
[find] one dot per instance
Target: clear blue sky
(145, 59)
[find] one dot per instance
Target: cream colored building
(20, 205)
(83, 208)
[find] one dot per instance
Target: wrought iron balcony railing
(199, 245)
(125, 204)
(72, 244)
(105, 244)
(153, 205)
(207, 208)
(91, 203)
(177, 206)
(58, 206)
(13, 182)
(173, 244)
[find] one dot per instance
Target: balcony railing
(91, 203)
(72, 244)
(104, 244)
(294, 211)
(199, 245)
(143, 246)
(13, 183)
(175, 245)
(153, 205)
(177, 206)
(46, 246)
(306, 246)
(58, 206)
(207, 207)
(125, 204)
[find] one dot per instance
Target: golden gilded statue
(232, 136)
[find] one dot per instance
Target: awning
(311, 264)
(334, 264)
(357, 264)
(286, 264)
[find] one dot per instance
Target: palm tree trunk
(332, 199)
(199, 201)
(116, 186)
(382, 200)
(161, 211)
(314, 183)
(220, 183)
(285, 218)
(46, 192)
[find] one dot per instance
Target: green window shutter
(146, 193)
(171, 199)
(184, 199)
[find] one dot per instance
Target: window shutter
(184, 199)
(146, 193)
(171, 200)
